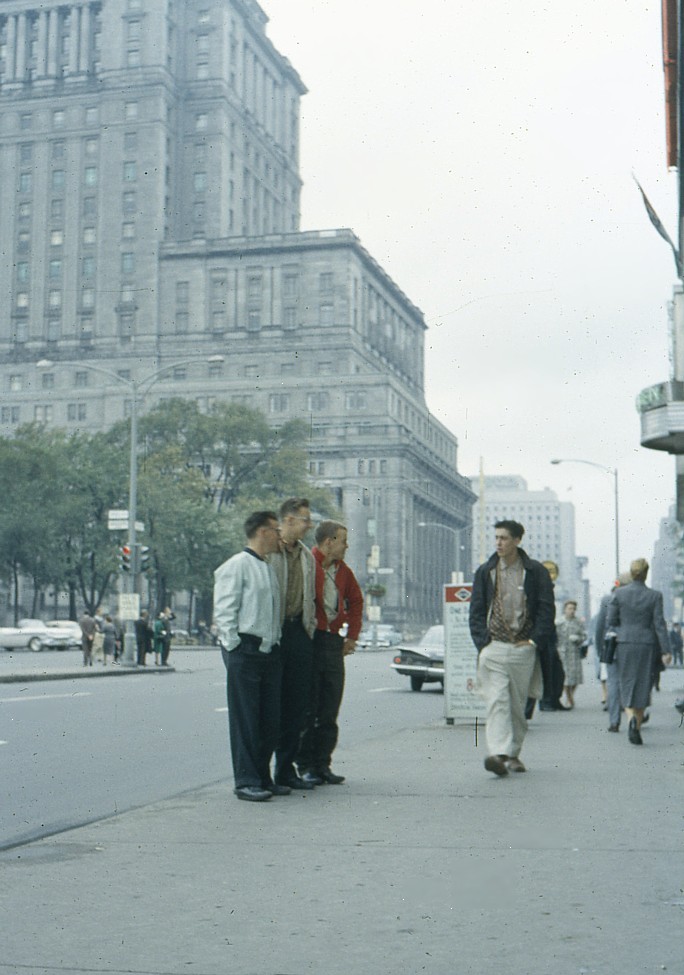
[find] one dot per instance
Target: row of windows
(44, 413)
(354, 401)
(90, 116)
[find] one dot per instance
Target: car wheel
(417, 682)
(35, 644)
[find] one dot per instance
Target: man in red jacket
(338, 600)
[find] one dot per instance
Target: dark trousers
(553, 675)
(166, 649)
(327, 687)
(296, 649)
(253, 690)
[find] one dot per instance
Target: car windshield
(433, 639)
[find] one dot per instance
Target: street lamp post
(138, 389)
(456, 532)
(614, 472)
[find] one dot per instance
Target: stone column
(20, 64)
(73, 41)
(41, 59)
(84, 57)
(53, 31)
(11, 61)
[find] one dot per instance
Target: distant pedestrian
(169, 617)
(247, 614)
(143, 637)
(87, 624)
(676, 644)
(511, 614)
(108, 639)
(608, 670)
(98, 637)
(339, 601)
(635, 612)
(158, 638)
(571, 637)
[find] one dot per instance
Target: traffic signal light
(144, 560)
(125, 558)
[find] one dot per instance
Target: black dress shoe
(311, 779)
(252, 793)
(329, 776)
(278, 790)
(614, 727)
(634, 733)
(297, 783)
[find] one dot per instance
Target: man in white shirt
(247, 616)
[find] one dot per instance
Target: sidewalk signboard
(461, 701)
(129, 605)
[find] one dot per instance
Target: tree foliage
(199, 476)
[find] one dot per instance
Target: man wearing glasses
(247, 617)
(295, 568)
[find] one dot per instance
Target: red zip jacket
(350, 599)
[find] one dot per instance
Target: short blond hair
(638, 569)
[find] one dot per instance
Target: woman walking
(571, 636)
(635, 612)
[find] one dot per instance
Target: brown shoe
(496, 764)
(515, 765)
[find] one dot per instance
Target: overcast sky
(484, 153)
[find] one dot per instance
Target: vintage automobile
(35, 635)
(70, 628)
(386, 636)
(423, 660)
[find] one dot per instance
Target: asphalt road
(75, 751)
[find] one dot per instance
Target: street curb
(81, 674)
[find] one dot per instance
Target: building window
(42, 413)
(10, 414)
(91, 147)
(56, 236)
(58, 118)
(22, 272)
(55, 299)
(88, 298)
(355, 400)
(128, 230)
(81, 379)
(54, 329)
(182, 292)
(129, 202)
(201, 121)
(26, 121)
(76, 411)
(218, 321)
(22, 299)
(92, 115)
(89, 206)
(23, 242)
(200, 182)
(180, 373)
(90, 176)
(24, 211)
(202, 68)
(89, 236)
(253, 320)
(55, 270)
(25, 153)
(290, 317)
(129, 171)
(25, 182)
(16, 383)
(325, 283)
(182, 321)
(326, 316)
(128, 263)
(325, 368)
(88, 267)
(278, 402)
(58, 179)
(133, 30)
(315, 402)
(130, 110)
(48, 380)
(215, 370)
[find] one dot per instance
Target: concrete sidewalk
(420, 863)
(23, 666)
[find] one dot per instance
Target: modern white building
(549, 530)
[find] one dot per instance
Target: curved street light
(607, 470)
(138, 389)
(457, 532)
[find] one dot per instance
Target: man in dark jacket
(511, 614)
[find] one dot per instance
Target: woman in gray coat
(635, 612)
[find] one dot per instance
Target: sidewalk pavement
(21, 666)
(421, 862)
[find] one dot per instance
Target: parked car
(72, 630)
(423, 660)
(33, 634)
(387, 636)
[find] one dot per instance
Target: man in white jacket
(247, 616)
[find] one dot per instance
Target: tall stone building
(149, 201)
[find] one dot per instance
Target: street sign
(461, 700)
(373, 613)
(129, 605)
(385, 572)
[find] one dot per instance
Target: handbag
(609, 647)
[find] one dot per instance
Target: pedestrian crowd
(103, 638)
(524, 657)
(286, 616)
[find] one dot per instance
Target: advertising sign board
(461, 701)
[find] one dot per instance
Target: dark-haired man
(247, 615)
(511, 613)
(295, 568)
(338, 601)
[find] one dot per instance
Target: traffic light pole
(130, 651)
